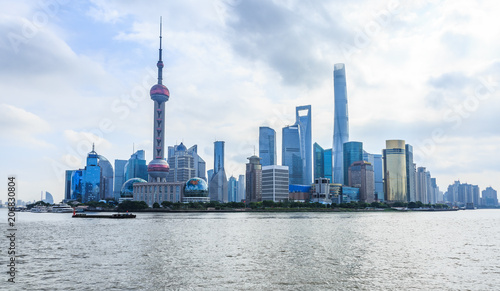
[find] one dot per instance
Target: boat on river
(114, 215)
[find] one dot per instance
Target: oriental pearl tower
(158, 168)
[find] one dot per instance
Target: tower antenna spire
(160, 62)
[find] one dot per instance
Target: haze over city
(74, 74)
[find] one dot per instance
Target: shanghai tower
(158, 168)
(340, 122)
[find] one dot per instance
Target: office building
(421, 185)
(232, 188)
(340, 123)
(267, 146)
(395, 171)
(253, 176)
(410, 174)
(297, 147)
(319, 161)
(353, 152)
(489, 197)
(218, 156)
(241, 188)
(184, 163)
(361, 175)
(119, 177)
(218, 183)
(275, 183)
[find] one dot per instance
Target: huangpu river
(257, 251)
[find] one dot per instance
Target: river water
(257, 251)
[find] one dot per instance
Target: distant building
(350, 194)
(323, 191)
(184, 163)
(461, 194)
(421, 185)
(151, 192)
(253, 180)
(410, 174)
(297, 147)
(489, 197)
(218, 183)
(395, 171)
(119, 177)
(361, 176)
(195, 190)
(299, 193)
(48, 198)
(210, 174)
(353, 152)
(232, 188)
(319, 161)
(267, 146)
(275, 183)
(241, 188)
(341, 122)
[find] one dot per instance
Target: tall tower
(267, 145)
(303, 120)
(158, 168)
(340, 123)
(395, 171)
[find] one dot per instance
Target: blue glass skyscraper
(340, 123)
(218, 156)
(267, 146)
(353, 152)
(303, 120)
(290, 155)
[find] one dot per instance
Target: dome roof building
(196, 190)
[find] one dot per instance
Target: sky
(73, 73)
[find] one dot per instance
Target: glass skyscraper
(297, 147)
(267, 146)
(319, 161)
(395, 171)
(353, 152)
(410, 174)
(340, 123)
(218, 156)
(290, 155)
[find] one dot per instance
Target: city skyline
(82, 75)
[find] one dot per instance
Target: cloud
(20, 127)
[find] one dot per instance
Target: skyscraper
(421, 185)
(241, 188)
(319, 161)
(119, 177)
(353, 152)
(361, 176)
(184, 163)
(158, 168)
(218, 156)
(489, 197)
(395, 171)
(327, 159)
(267, 146)
(253, 180)
(218, 184)
(232, 188)
(297, 147)
(290, 156)
(303, 120)
(340, 123)
(410, 174)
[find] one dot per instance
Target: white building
(275, 183)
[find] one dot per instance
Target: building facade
(353, 152)
(340, 123)
(410, 174)
(253, 176)
(361, 176)
(267, 146)
(290, 155)
(395, 171)
(275, 183)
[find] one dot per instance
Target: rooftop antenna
(160, 62)
(254, 150)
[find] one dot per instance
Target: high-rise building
(319, 161)
(340, 123)
(218, 156)
(241, 188)
(210, 174)
(218, 184)
(361, 176)
(303, 120)
(410, 174)
(327, 159)
(184, 163)
(232, 188)
(297, 147)
(378, 171)
(267, 146)
(489, 197)
(107, 173)
(158, 168)
(395, 171)
(290, 156)
(136, 166)
(67, 184)
(119, 177)
(275, 183)
(253, 180)
(421, 185)
(353, 152)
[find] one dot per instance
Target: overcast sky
(77, 72)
